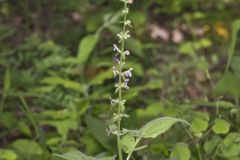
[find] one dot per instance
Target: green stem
(120, 88)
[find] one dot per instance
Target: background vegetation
(56, 77)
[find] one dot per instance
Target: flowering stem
(120, 83)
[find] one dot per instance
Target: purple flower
(126, 81)
(128, 73)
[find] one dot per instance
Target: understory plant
(127, 140)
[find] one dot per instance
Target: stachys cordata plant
(127, 140)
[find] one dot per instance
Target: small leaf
(86, 46)
(221, 126)
(199, 125)
(128, 143)
(181, 152)
(159, 126)
(7, 81)
(7, 154)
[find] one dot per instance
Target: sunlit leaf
(86, 46)
(159, 126)
(181, 152)
(221, 126)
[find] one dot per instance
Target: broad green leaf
(100, 78)
(77, 155)
(221, 126)
(235, 29)
(26, 148)
(99, 130)
(135, 46)
(7, 154)
(159, 126)
(7, 119)
(128, 143)
(154, 84)
(7, 81)
(86, 46)
(61, 81)
(199, 125)
(228, 84)
(63, 126)
(181, 152)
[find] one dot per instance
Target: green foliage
(56, 80)
(158, 126)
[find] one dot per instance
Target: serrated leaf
(86, 46)
(158, 126)
(221, 126)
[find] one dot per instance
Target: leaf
(61, 81)
(77, 155)
(159, 126)
(211, 144)
(135, 46)
(181, 152)
(86, 46)
(199, 125)
(7, 154)
(235, 29)
(7, 81)
(235, 65)
(128, 143)
(221, 126)
(154, 84)
(228, 84)
(26, 148)
(99, 131)
(231, 145)
(100, 78)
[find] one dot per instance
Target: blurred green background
(56, 78)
